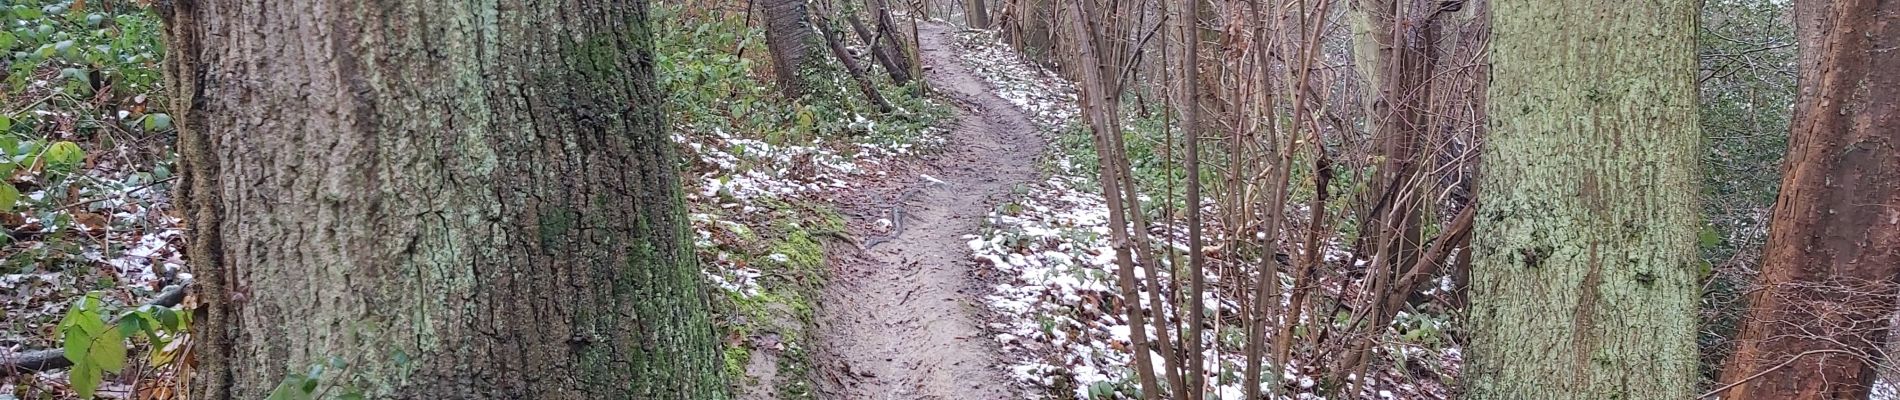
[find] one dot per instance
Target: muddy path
(902, 319)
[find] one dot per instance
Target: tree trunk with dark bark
(894, 46)
(1831, 267)
(1584, 282)
(456, 200)
(793, 41)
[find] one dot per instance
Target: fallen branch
(28, 362)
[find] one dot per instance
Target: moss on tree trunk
(460, 200)
(1584, 283)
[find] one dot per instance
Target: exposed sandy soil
(901, 320)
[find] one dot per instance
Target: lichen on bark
(460, 200)
(1584, 282)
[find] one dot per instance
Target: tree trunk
(901, 53)
(977, 13)
(1030, 27)
(884, 44)
(790, 37)
(1397, 58)
(457, 201)
(1186, 19)
(1584, 283)
(1830, 269)
(1100, 101)
(834, 39)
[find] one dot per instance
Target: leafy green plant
(713, 87)
(96, 345)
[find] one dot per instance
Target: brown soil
(901, 320)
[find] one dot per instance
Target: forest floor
(900, 317)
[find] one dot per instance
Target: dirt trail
(901, 320)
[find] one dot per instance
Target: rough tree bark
(894, 46)
(1584, 283)
(459, 200)
(792, 40)
(1832, 264)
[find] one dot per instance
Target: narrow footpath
(901, 320)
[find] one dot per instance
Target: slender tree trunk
(790, 37)
(1099, 101)
(1187, 31)
(834, 39)
(1584, 283)
(885, 44)
(1829, 272)
(1396, 42)
(458, 201)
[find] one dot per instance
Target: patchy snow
(731, 174)
(1056, 296)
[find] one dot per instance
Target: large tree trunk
(458, 201)
(1830, 269)
(792, 40)
(1584, 283)
(977, 13)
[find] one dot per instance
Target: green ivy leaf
(131, 324)
(108, 351)
(292, 388)
(85, 379)
(158, 121)
(84, 314)
(1102, 390)
(64, 155)
(9, 195)
(78, 345)
(168, 319)
(25, 12)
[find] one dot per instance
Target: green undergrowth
(85, 155)
(714, 68)
(779, 317)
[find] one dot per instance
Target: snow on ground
(734, 174)
(1057, 297)
(121, 240)
(1047, 98)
